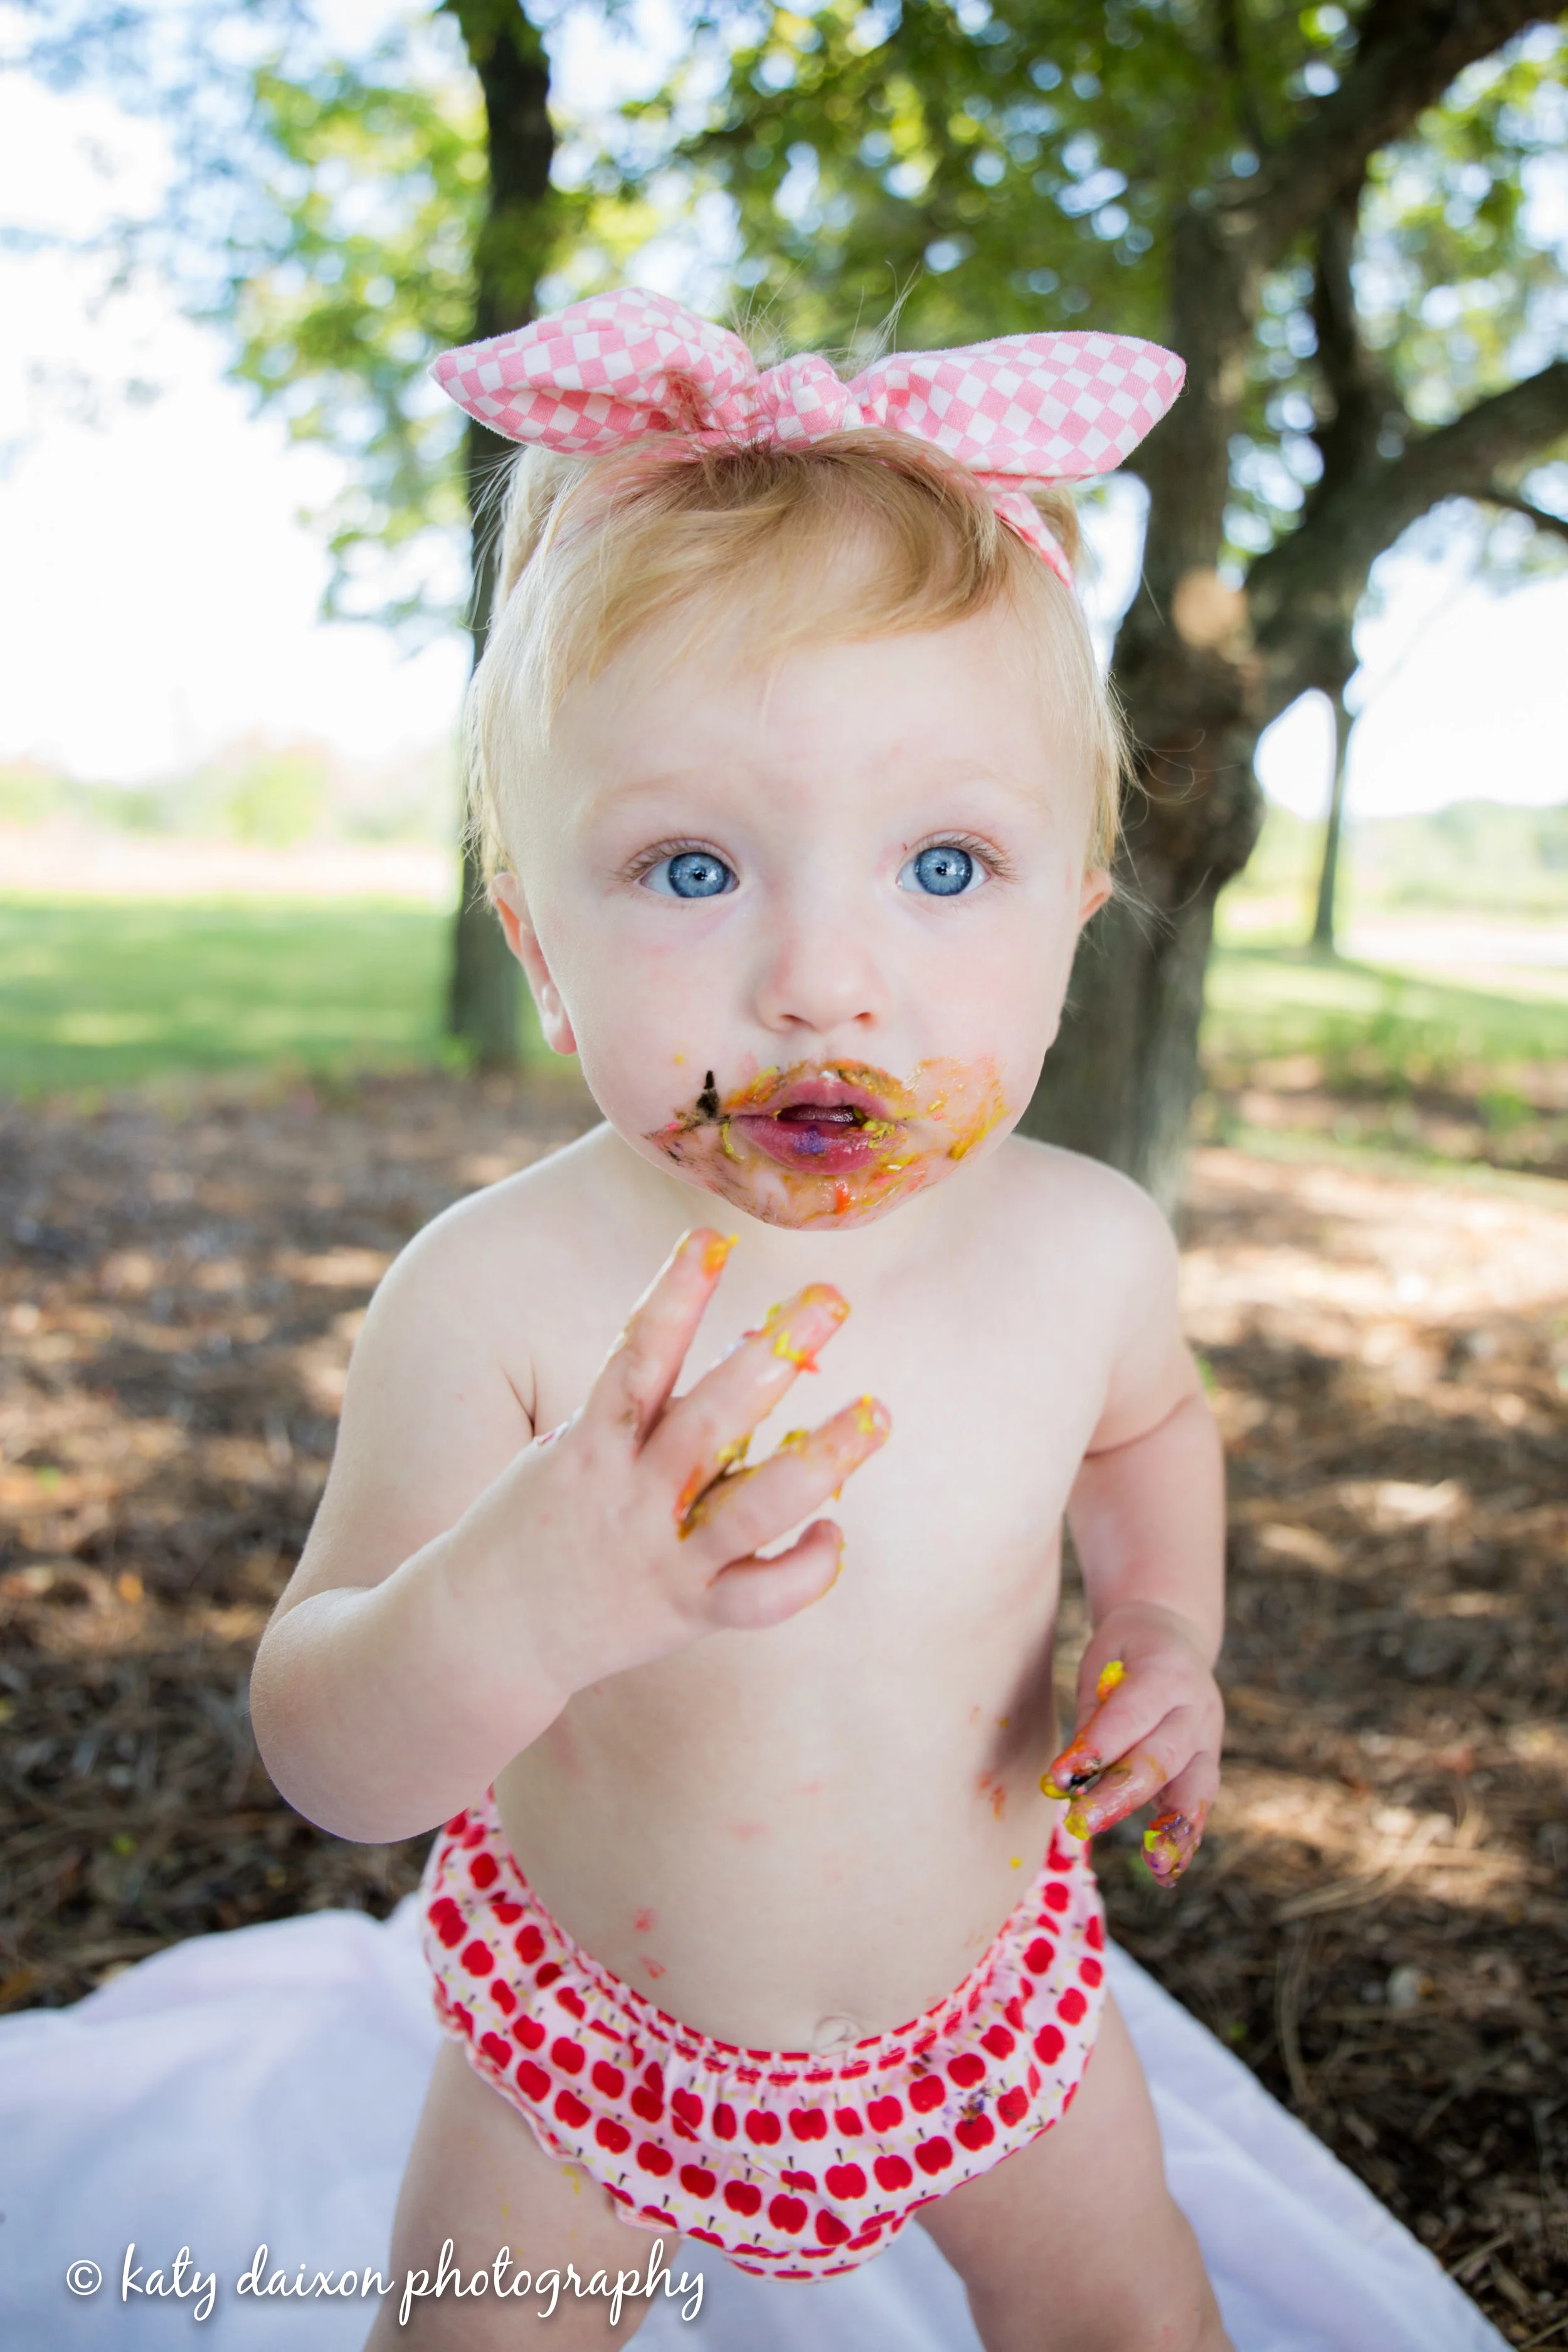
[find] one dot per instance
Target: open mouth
(828, 1121)
(829, 1130)
(821, 1115)
(854, 1137)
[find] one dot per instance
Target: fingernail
(1072, 1771)
(781, 1324)
(1170, 1843)
(1096, 1808)
(866, 1418)
(1111, 1675)
(716, 1248)
(872, 1418)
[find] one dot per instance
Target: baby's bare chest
(993, 1400)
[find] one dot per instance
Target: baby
(762, 1912)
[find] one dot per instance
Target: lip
(831, 1143)
(825, 1089)
(828, 1148)
(857, 1129)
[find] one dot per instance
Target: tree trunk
(485, 987)
(1119, 1081)
(1329, 875)
(485, 990)
(1201, 668)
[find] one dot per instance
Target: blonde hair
(668, 533)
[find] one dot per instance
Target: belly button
(835, 2033)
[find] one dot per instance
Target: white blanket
(261, 2088)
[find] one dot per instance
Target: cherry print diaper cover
(796, 2164)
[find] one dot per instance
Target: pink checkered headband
(1022, 410)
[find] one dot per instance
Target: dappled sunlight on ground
(1376, 1921)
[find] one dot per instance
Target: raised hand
(1149, 1723)
(636, 1523)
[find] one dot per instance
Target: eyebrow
(628, 791)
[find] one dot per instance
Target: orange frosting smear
(939, 1115)
(701, 1482)
(781, 1324)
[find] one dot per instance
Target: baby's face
(811, 935)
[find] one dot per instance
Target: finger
(1126, 1704)
(1091, 1746)
(1113, 1673)
(751, 1594)
(1131, 1778)
(706, 1432)
(1120, 1788)
(642, 1367)
(741, 1512)
(1174, 1834)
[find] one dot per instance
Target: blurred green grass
(1370, 1028)
(105, 993)
(102, 993)
(1475, 859)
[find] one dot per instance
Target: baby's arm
(1147, 1513)
(461, 1582)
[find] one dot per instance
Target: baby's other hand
(1150, 1719)
(649, 1526)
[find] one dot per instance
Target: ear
(1095, 892)
(506, 897)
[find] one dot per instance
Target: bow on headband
(1021, 409)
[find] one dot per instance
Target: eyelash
(647, 859)
(984, 853)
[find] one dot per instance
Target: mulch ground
(1376, 1921)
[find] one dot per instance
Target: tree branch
(1511, 428)
(1223, 240)
(1233, 56)
(508, 54)
(1409, 53)
(1491, 494)
(511, 252)
(1362, 396)
(1302, 594)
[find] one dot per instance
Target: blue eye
(694, 874)
(944, 871)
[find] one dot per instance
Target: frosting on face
(832, 1143)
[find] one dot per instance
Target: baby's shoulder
(487, 1255)
(1062, 1205)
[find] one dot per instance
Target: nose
(821, 975)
